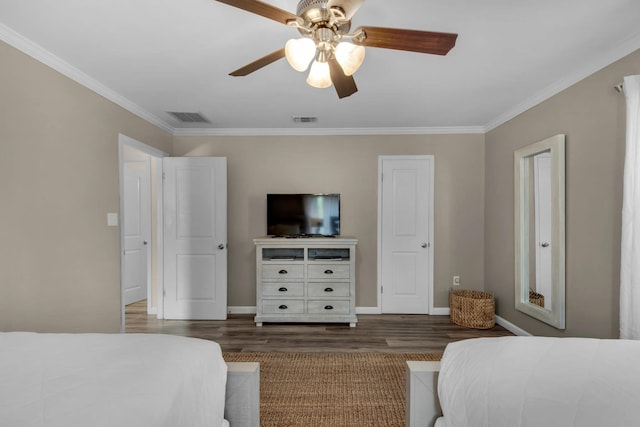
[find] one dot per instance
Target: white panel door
(406, 257)
(195, 238)
(136, 229)
(542, 203)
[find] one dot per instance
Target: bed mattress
(537, 381)
(88, 380)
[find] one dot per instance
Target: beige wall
(348, 165)
(59, 262)
(592, 115)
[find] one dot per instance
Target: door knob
(144, 243)
(221, 246)
(545, 244)
(425, 245)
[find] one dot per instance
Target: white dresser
(306, 280)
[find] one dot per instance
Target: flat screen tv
(300, 215)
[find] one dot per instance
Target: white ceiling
(155, 56)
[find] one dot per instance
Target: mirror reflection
(540, 229)
(539, 233)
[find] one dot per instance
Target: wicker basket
(536, 298)
(472, 309)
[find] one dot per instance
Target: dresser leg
(259, 324)
(352, 324)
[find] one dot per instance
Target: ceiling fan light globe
(349, 56)
(299, 53)
(319, 75)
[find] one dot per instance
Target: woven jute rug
(332, 390)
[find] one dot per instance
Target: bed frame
(423, 406)
(242, 397)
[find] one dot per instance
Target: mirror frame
(556, 315)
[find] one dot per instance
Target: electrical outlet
(456, 280)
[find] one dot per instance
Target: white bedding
(110, 380)
(536, 381)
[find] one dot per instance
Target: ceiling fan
(336, 53)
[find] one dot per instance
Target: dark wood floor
(374, 333)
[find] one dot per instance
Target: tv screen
(303, 214)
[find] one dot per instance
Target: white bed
(89, 380)
(527, 382)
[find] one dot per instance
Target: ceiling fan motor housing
(317, 14)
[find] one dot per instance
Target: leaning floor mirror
(540, 230)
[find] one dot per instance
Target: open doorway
(140, 214)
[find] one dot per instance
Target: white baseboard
(511, 327)
(440, 311)
(368, 310)
(241, 310)
(436, 311)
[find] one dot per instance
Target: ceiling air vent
(305, 119)
(189, 117)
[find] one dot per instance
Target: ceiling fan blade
(345, 85)
(350, 7)
(410, 40)
(262, 9)
(256, 65)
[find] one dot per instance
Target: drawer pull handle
(328, 289)
(328, 307)
(283, 307)
(328, 272)
(282, 272)
(283, 290)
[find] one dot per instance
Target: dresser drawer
(283, 306)
(332, 289)
(283, 289)
(282, 271)
(328, 307)
(328, 271)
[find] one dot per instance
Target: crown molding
(626, 48)
(42, 55)
(328, 131)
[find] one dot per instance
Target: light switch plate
(112, 219)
